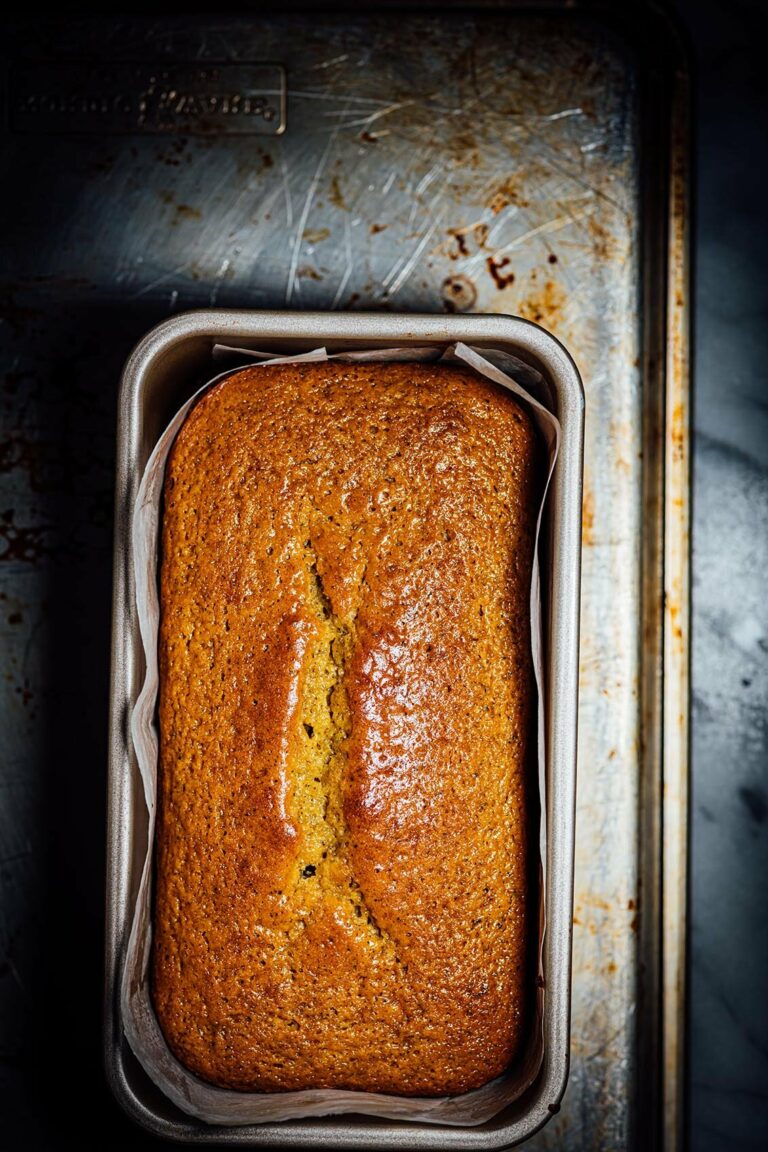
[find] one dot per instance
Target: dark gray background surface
(728, 1033)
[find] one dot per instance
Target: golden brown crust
(346, 696)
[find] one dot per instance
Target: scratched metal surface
(460, 163)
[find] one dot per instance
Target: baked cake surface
(345, 718)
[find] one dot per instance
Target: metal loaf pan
(164, 369)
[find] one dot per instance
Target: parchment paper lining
(195, 1097)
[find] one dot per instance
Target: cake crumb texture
(346, 700)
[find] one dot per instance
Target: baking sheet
(511, 134)
(217, 1105)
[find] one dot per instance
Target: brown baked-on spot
(459, 294)
(346, 696)
(499, 270)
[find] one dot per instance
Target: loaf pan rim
(539, 347)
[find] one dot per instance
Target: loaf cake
(346, 706)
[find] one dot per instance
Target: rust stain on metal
(604, 242)
(467, 240)
(316, 235)
(480, 233)
(182, 211)
(336, 195)
(497, 269)
(186, 212)
(508, 192)
(461, 243)
(246, 165)
(465, 145)
(20, 544)
(608, 920)
(544, 305)
(674, 610)
(592, 901)
(588, 518)
(678, 432)
(459, 294)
